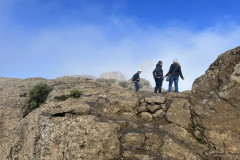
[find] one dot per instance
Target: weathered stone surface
(220, 125)
(70, 106)
(180, 133)
(176, 151)
(159, 114)
(231, 91)
(134, 156)
(179, 113)
(13, 108)
(133, 125)
(164, 107)
(111, 110)
(153, 143)
(146, 116)
(113, 75)
(218, 75)
(141, 109)
(181, 95)
(64, 138)
(133, 140)
(122, 124)
(153, 108)
(215, 98)
(200, 110)
(155, 100)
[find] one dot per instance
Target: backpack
(133, 78)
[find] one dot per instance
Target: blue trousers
(136, 86)
(173, 79)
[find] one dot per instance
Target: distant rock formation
(143, 84)
(109, 122)
(83, 75)
(113, 75)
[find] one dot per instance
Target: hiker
(158, 77)
(174, 72)
(136, 79)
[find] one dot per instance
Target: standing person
(136, 79)
(174, 71)
(158, 77)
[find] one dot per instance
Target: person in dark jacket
(174, 71)
(136, 79)
(158, 77)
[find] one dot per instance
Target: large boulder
(113, 75)
(39, 137)
(179, 113)
(155, 100)
(61, 128)
(70, 106)
(221, 76)
(173, 150)
(216, 105)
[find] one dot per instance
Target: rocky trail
(112, 123)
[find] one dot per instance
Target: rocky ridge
(109, 122)
(113, 75)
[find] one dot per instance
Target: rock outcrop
(83, 75)
(109, 122)
(216, 106)
(113, 75)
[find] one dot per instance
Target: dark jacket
(136, 77)
(158, 72)
(177, 72)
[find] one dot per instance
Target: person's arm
(154, 73)
(138, 78)
(180, 72)
(161, 76)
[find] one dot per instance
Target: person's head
(139, 71)
(160, 62)
(175, 60)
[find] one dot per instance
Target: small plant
(33, 104)
(200, 139)
(124, 84)
(75, 93)
(62, 98)
(38, 94)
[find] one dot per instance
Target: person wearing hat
(174, 71)
(158, 77)
(136, 79)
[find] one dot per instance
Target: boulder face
(113, 75)
(221, 79)
(216, 105)
(109, 122)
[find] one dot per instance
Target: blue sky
(53, 38)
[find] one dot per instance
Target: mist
(119, 44)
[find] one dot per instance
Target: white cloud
(119, 45)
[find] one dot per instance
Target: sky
(54, 38)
